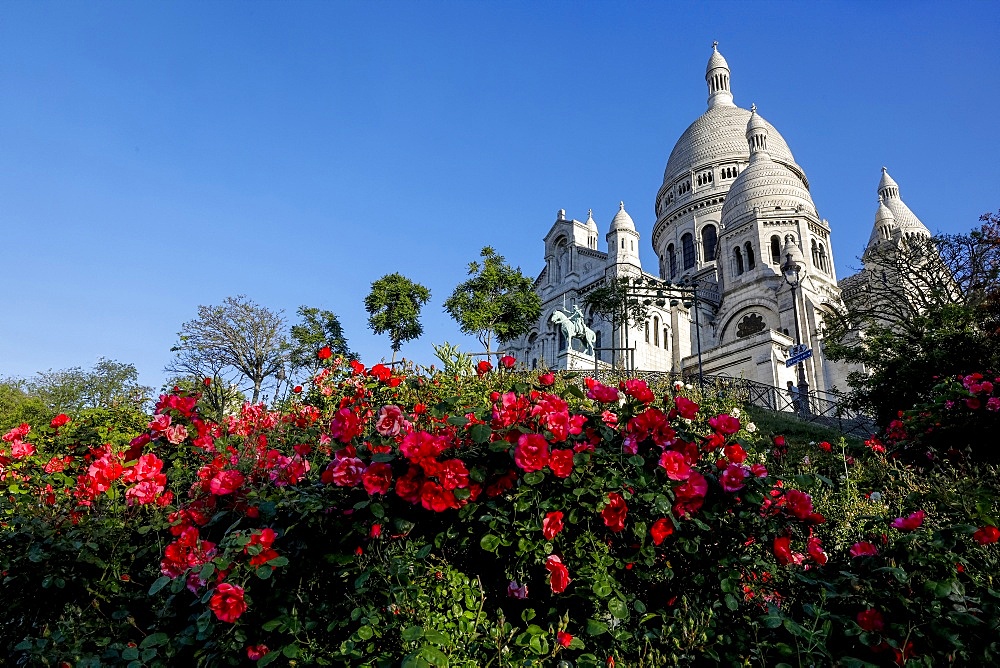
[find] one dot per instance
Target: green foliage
(109, 384)
(316, 329)
(393, 307)
(17, 405)
(922, 309)
(497, 302)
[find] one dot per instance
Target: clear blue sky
(158, 156)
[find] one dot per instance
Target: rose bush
(494, 518)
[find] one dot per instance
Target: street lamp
(794, 269)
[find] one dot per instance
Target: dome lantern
(717, 77)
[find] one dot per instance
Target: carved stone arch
(765, 309)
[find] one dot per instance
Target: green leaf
(290, 651)
(154, 640)
(618, 608)
(490, 542)
(383, 457)
(159, 584)
(263, 572)
(433, 656)
(273, 624)
(534, 478)
(130, 653)
(365, 632)
(437, 637)
(377, 510)
(413, 633)
(480, 433)
(596, 628)
(423, 552)
(458, 420)
(268, 658)
(278, 561)
(602, 588)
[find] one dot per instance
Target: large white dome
(719, 135)
(765, 184)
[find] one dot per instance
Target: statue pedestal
(574, 360)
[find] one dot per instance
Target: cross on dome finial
(715, 45)
(753, 107)
(590, 213)
(621, 205)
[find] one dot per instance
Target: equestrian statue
(574, 327)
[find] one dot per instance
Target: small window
(751, 257)
(665, 337)
(656, 331)
(687, 242)
(738, 259)
(672, 260)
(647, 332)
(709, 239)
(775, 250)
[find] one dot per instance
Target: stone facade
(732, 198)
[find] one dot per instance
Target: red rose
(297, 389)
(815, 549)
(377, 478)
(59, 420)
(686, 408)
(735, 453)
(725, 424)
(226, 482)
(690, 495)
(532, 452)
(564, 638)
(871, 620)
(661, 529)
(614, 513)
(558, 574)
(324, 353)
(484, 367)
(344, 472)
(435, 497)
(552, 524)
(508, 362)
(227, 602)
(547, 379)
(675, 464)
(256, 652)
(798, 504)
(733, 478)
(824, 446)
(783, 550)
(986, 535)
(561, 463)
(910, 522)
(863, 549)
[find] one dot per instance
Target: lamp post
(793, 270)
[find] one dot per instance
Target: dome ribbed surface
(717, 135)
(766, 184)
(716, 61)
(622, 221)
(883, 216)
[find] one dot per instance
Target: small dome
(716, 61)
(885, 223)
(905, 220)
(887, 182)
(622, 221)
(756, 123)
(591, 223)
(765, 184)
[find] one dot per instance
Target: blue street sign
(801, 357)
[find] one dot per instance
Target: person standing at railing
(793, 395)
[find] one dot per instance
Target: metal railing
(824, 408)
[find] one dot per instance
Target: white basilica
(732, 198)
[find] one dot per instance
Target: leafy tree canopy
(922, 309)
(611, 302)
(316, 329)
(498, 301)
(393, 307)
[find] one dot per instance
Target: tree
(318, 328)
(394, 306)
(239, 340)
(497, 302)
(611, 302)
(109, 384)
(921, 309)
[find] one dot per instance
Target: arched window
(687, 243)
(751, 257)
(665, 339)
(738, 259)
(709, 239)
(775, 250)
(598, 344)
(815, 252)
(672, 260)
(647, 332)
(824, 259)
(656, 331)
